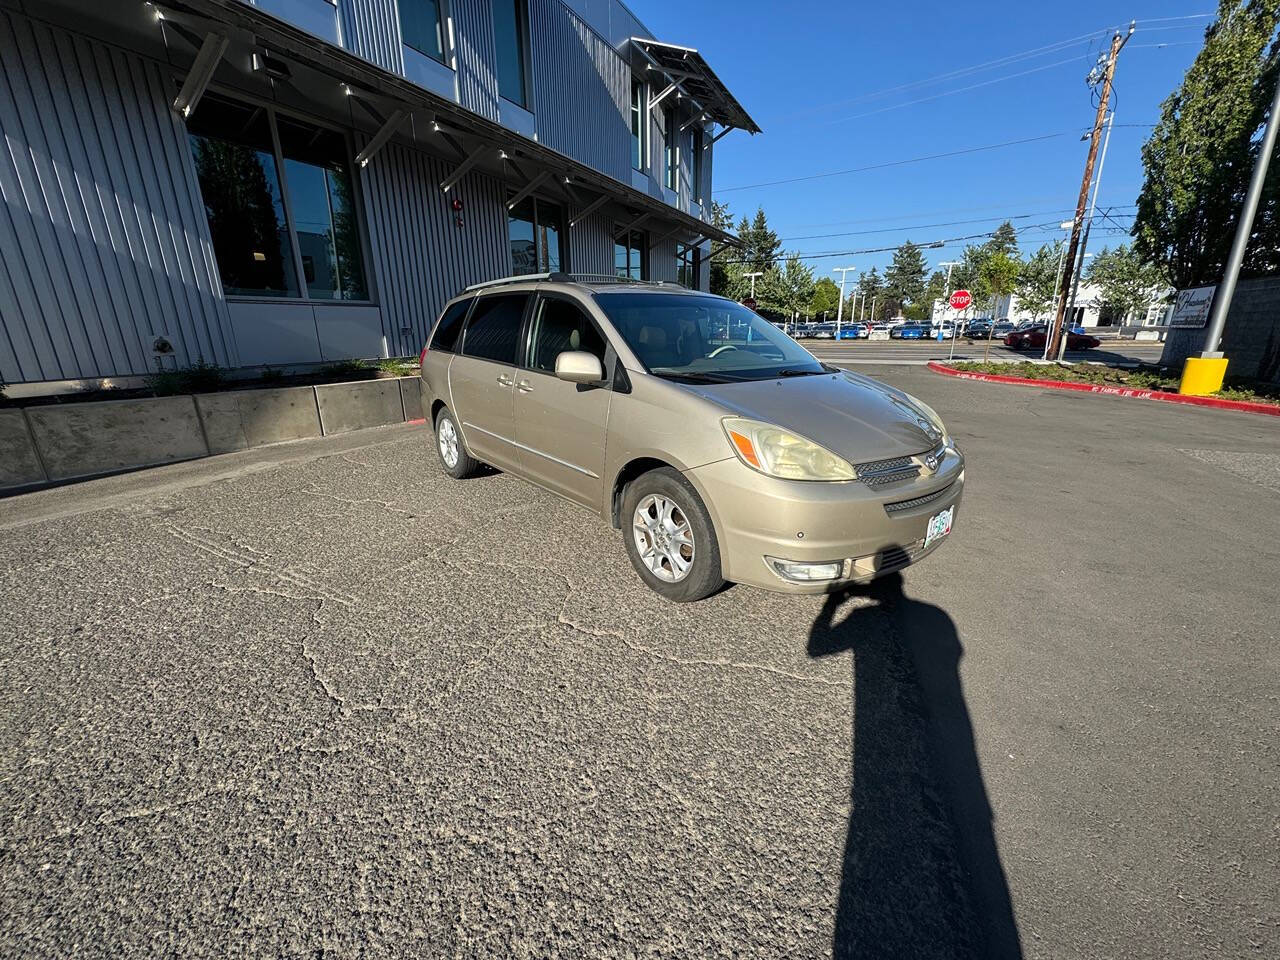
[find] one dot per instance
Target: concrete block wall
(1251, 339)
(47, 444)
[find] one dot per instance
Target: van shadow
(921, 875)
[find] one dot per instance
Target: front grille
(898, 556)
(901, 505)
(878, 472)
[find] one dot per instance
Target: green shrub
(199, 377)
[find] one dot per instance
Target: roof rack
(585, 278)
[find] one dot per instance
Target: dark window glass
(240, 185)
(687, 261)
(422, 28)
(494, 328)
(534, 229)
(450, 325)
(322, 201)
(560, 326)
(511, 37)
(670, 151)
(637, 124)
(628, 256)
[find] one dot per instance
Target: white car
(947, 329)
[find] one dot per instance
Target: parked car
(946, 328)
(622, 397)
(908, 331)
(877, 328)
(854, 331)
(1001, 329)
(824, 331)
(979, 329)
(1033, 338)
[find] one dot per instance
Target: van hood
(851, 415)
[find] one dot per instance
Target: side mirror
(578, 366)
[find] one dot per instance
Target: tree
(934, 291)
(999, 272)
(1004, 240)
(1037, 282)
(872, 290)
(1127, 282)
(967, 275)
(904, 280)
(760, 245)
(826, 298)
(726, 278)
(1199, 158)
(788, 290)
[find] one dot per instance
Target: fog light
(805, 572)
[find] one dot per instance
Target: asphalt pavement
(318, 699)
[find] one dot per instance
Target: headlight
(780, 453)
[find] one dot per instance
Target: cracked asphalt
(317, 699)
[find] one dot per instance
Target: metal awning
(685, 66)
(473, 139)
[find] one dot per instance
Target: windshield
(703, 339)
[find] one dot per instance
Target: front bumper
(869, 530)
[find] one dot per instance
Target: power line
(945, 223)
(898, 163)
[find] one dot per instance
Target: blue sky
(813, 80)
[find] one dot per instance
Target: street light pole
(1203, 374)
(946, 296)
(843, 271)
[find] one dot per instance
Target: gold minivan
(720, 447)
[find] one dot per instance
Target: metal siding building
(113, 265)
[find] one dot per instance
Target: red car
(1033, 338)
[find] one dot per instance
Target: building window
(511, 37)
(422, 27)
(670, 151)
(688, 260)
(628, 256)
(258, 240)
(695, 166)
(535, 228)
(240, 184)
(639, 97)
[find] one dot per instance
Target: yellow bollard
(1202, 376)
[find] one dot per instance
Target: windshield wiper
(698, 377)
(794, 372)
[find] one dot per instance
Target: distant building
(1088, 311)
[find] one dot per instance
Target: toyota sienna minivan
(721, 448)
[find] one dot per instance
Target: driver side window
(558, 326)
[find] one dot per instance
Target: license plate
(939, 526)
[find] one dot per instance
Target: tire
(650, 492)
(464, 465)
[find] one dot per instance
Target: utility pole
(1088, 225)
(1203, 375)
(946, 296)
(843, 271)
(1053, 341)
(753, 282)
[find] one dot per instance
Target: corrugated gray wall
(104, 238)
(591, 245)
(421, 257)
(477, 81)
(581, 90)
(371, 29)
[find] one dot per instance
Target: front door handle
(524, 386)
(504, 380)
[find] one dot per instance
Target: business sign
(961, 299)
(1191, 307)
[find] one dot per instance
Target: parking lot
(318, 699)
(922, 351)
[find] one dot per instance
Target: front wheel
(453, 452)
(669, 537)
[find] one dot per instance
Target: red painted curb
(419, 420)
(1268, 409)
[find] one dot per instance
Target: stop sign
(961, 299)
(749, 303)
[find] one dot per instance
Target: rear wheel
(669, 537)
(453, 452)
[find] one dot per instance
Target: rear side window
(494, 328)
(450, 325)
(560, 326)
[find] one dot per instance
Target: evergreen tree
(904, 280)
(1200, 156)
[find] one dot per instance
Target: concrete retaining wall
(56, 442)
